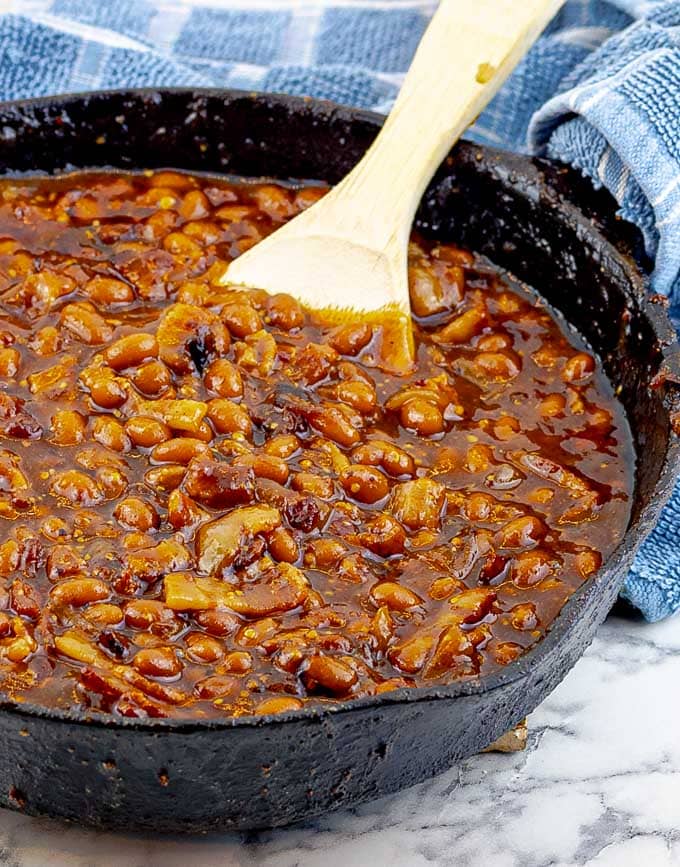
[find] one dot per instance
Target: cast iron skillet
(543, 223)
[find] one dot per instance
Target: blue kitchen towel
(600, 90)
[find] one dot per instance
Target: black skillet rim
(669, 470)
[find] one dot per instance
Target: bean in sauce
(214, 503)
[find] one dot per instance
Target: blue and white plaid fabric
(600, 89)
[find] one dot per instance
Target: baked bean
(179, 450)
(430, 295)
(217, 622)
(47, 341)
(552, 405)
(284, 312)
(237, 662)
(152, 378)
(393, 459)
(131, 351)
(579, 368)
(10, 362)
(38, 293)
(76, 487)
(391, 684)
(110, 433)
(282, 446)
(351, 339)
(411, 655)
(158, 225)
(68, 427)
(546, 356)
(104, 614)
(422, 417)
(588, 562)
(147, 432)
(494, 342)
(506, 652)
(194, 206)
(235, 213)
(241, 319)
(136, 514)
(205, 232)
(197, 294)
(228, 417)
(532, 567)
(365, 484)
(332, 423)
(506, 427)
(149, 614)
(278, 704)
(203, 648)
(499, 366)
(383, 535)
(601, 420)
(157, 662)
(479, 458)
(328, 673)
(85, 324)
(282, 545)
(395, 596)
(112, 482)
(443, 588)
(324, 553)
(523, 616)
(522, 532)
(80, 591)
(22, 644)
(463, 327)
(382, 628)
(265, 467)
(274, 200)
(216, 686)
(359, 395)
(167, 184)
(107, 391)
(541, 495)
(165, 478)
(223, 378)
(310, 483)
(182, 247)
(418, 503)
(108, 292)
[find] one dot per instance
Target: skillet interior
(250, 773)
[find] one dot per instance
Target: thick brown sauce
(235, 509)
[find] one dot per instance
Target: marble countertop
(598, 784)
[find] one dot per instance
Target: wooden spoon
(347, 254)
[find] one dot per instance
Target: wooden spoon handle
(466, 53)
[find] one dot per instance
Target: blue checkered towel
(600, 89)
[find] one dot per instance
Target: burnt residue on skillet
(539, 221)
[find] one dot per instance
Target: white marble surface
(599, 784)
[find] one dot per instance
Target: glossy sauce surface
(213, 504)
